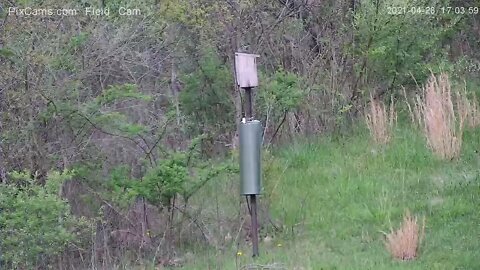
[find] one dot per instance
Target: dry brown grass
(380, 120)
(442, 122)
(472, 111)
(403, 244)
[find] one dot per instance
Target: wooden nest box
(246, 70)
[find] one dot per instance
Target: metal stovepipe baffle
(250, 136)
(250, 172)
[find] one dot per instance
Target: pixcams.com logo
(28, 11)
(88, 11)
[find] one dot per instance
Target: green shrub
(206, 99)
(34, 222)
(281, 91)
(178, 174)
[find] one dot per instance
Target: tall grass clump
(442, 120)
(403, 243)
(472, 112)
(380, 120)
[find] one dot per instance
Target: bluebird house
(246, 70)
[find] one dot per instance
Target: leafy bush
(34, 221)
(206, 99)
(281, 91)
(180, 173)
(160, 185)
(278, 95)
(391, 48)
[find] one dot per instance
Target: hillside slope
(336, 199)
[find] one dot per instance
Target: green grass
(336, 197)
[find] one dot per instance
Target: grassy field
(337, 197)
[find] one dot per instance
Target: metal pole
(249, 105)
(254, 234)
(253, 197)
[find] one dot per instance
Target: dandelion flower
(239, 253)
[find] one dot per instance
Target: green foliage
(121, 92)
(114, 120)
(6, 53)
(78, 41)
(189, 13)
(278, 94)
(63, 62)
(399, 49)
(34, 220)
(162, 183)
(119, 122)
(181, 173)
(282, 91)
(96, 112)
(206, 99)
